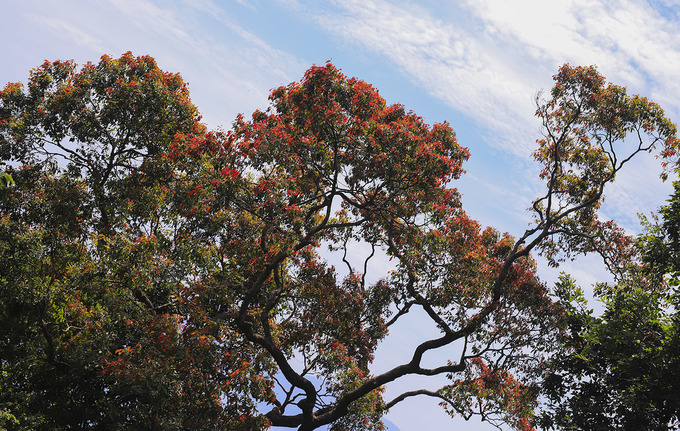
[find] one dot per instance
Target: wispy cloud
(458, 66)
(63, 29)
(242, 67)
(631, 42)
(489, 58)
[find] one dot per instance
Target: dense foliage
(157, 275)
(621, 369)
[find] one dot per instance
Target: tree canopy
(160, 275)
(621, 369)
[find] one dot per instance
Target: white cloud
(230, 69)
(452, 64)
(247, 4)
(631, 42)
(63, 29)
(490, 58)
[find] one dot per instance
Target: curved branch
(428, 393)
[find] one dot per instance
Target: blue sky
(477, 64)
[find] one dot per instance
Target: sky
(478, 64)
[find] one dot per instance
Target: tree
(618, 370)
(621, 370)
(157, 274)
(93, 333)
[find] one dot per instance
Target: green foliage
(621, 370)
(94, 332)
(618, 371)
(6, 180)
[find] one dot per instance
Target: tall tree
(156, 274)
